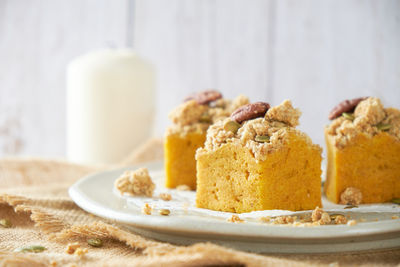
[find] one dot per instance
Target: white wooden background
(314, 52)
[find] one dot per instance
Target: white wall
(37, 39)
(314, 52)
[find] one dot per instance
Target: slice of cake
(363, 147)
(188, 132)
(258, 160)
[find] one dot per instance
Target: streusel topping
(351, 196)
(191, 116)
(261, 135)
(370, 118)
(284, 113)
(135, 183)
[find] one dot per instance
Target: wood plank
(204, 44)
(38, 39)
(327, 51)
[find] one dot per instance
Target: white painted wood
(37, 40)
(316, 53)
(204, 44)
(328, 51)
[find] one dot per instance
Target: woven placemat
(34, 198)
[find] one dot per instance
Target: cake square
(191, 120)
(263, 164)
(363, 152)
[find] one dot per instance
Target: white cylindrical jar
(110, 105)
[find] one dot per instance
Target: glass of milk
(110, 105)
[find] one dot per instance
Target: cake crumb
(320, 217)
(351, 222)
(316, 214)
(370, 111)
(340, 219)
(306, 219)
(165, 196)
(265, 219)
(284, 113)
(71, 247)
(187, 113)
(147, 209)
(325, 218)
(135, 183)
(235, 219)
(284, 219)
(80, 252)
(183, 187)
(351, 196)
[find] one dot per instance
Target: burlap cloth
(34, 197)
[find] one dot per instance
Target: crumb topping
(340, 219)
(193, 117)
(351, 196)
(147, 209)
(265, 219)
(284, 219)
(187, 113)
(351, 222)
(135, 183)
(370, 118)
(274, 127)
(81, 252)
(317, 214)
(165, 196)
(71, 247)
(235, 219)
(284, 113)
(318, 217)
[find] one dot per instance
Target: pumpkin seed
(33, 248)
(262, 138)
(95, 242)
(350, 207)
(348, 116)
(232, 126)
(383, 126)
(6, 223)
(205, 117)
(396, 201)
(164, 212)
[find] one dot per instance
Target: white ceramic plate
(187, 224)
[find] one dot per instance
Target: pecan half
(250, 111)
(204, 97)
(345, 106)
